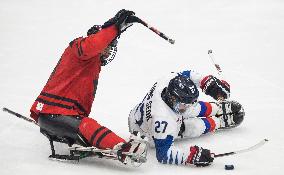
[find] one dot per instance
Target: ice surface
(246, 37)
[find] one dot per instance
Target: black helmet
(94, 30)
(180, 90)
(112, 46)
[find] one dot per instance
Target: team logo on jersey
(39, 106)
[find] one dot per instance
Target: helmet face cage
(112, 52)
(181, 104)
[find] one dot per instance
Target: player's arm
(92, 45)
(168, 153)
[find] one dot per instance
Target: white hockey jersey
(154, 119)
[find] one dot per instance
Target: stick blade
(172, 41)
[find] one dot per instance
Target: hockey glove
(120, 20)
(218, 89)
(137, 151)
(199, 157)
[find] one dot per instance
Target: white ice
(247, 39)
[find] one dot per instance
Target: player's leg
(195, 127)
(101, 137)
(98, 135)
(229, 115)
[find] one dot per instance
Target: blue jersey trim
(162, 147)
(171, 158)
(207, 125)
(203, 109)
(176, 161)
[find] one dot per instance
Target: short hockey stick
(136, 19)
(19, 115)
(259, 144)
(217, 66)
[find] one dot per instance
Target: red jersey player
(62, 109)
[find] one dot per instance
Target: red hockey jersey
(72, 85)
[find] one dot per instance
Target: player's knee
(194, 128)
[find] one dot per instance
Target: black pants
(62, 128)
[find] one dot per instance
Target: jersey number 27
(160, 127)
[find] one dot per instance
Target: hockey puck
(229, 167)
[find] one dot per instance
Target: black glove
(199, 157)
(120, 20)
(218, 89)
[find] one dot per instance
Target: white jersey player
(171, 110)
